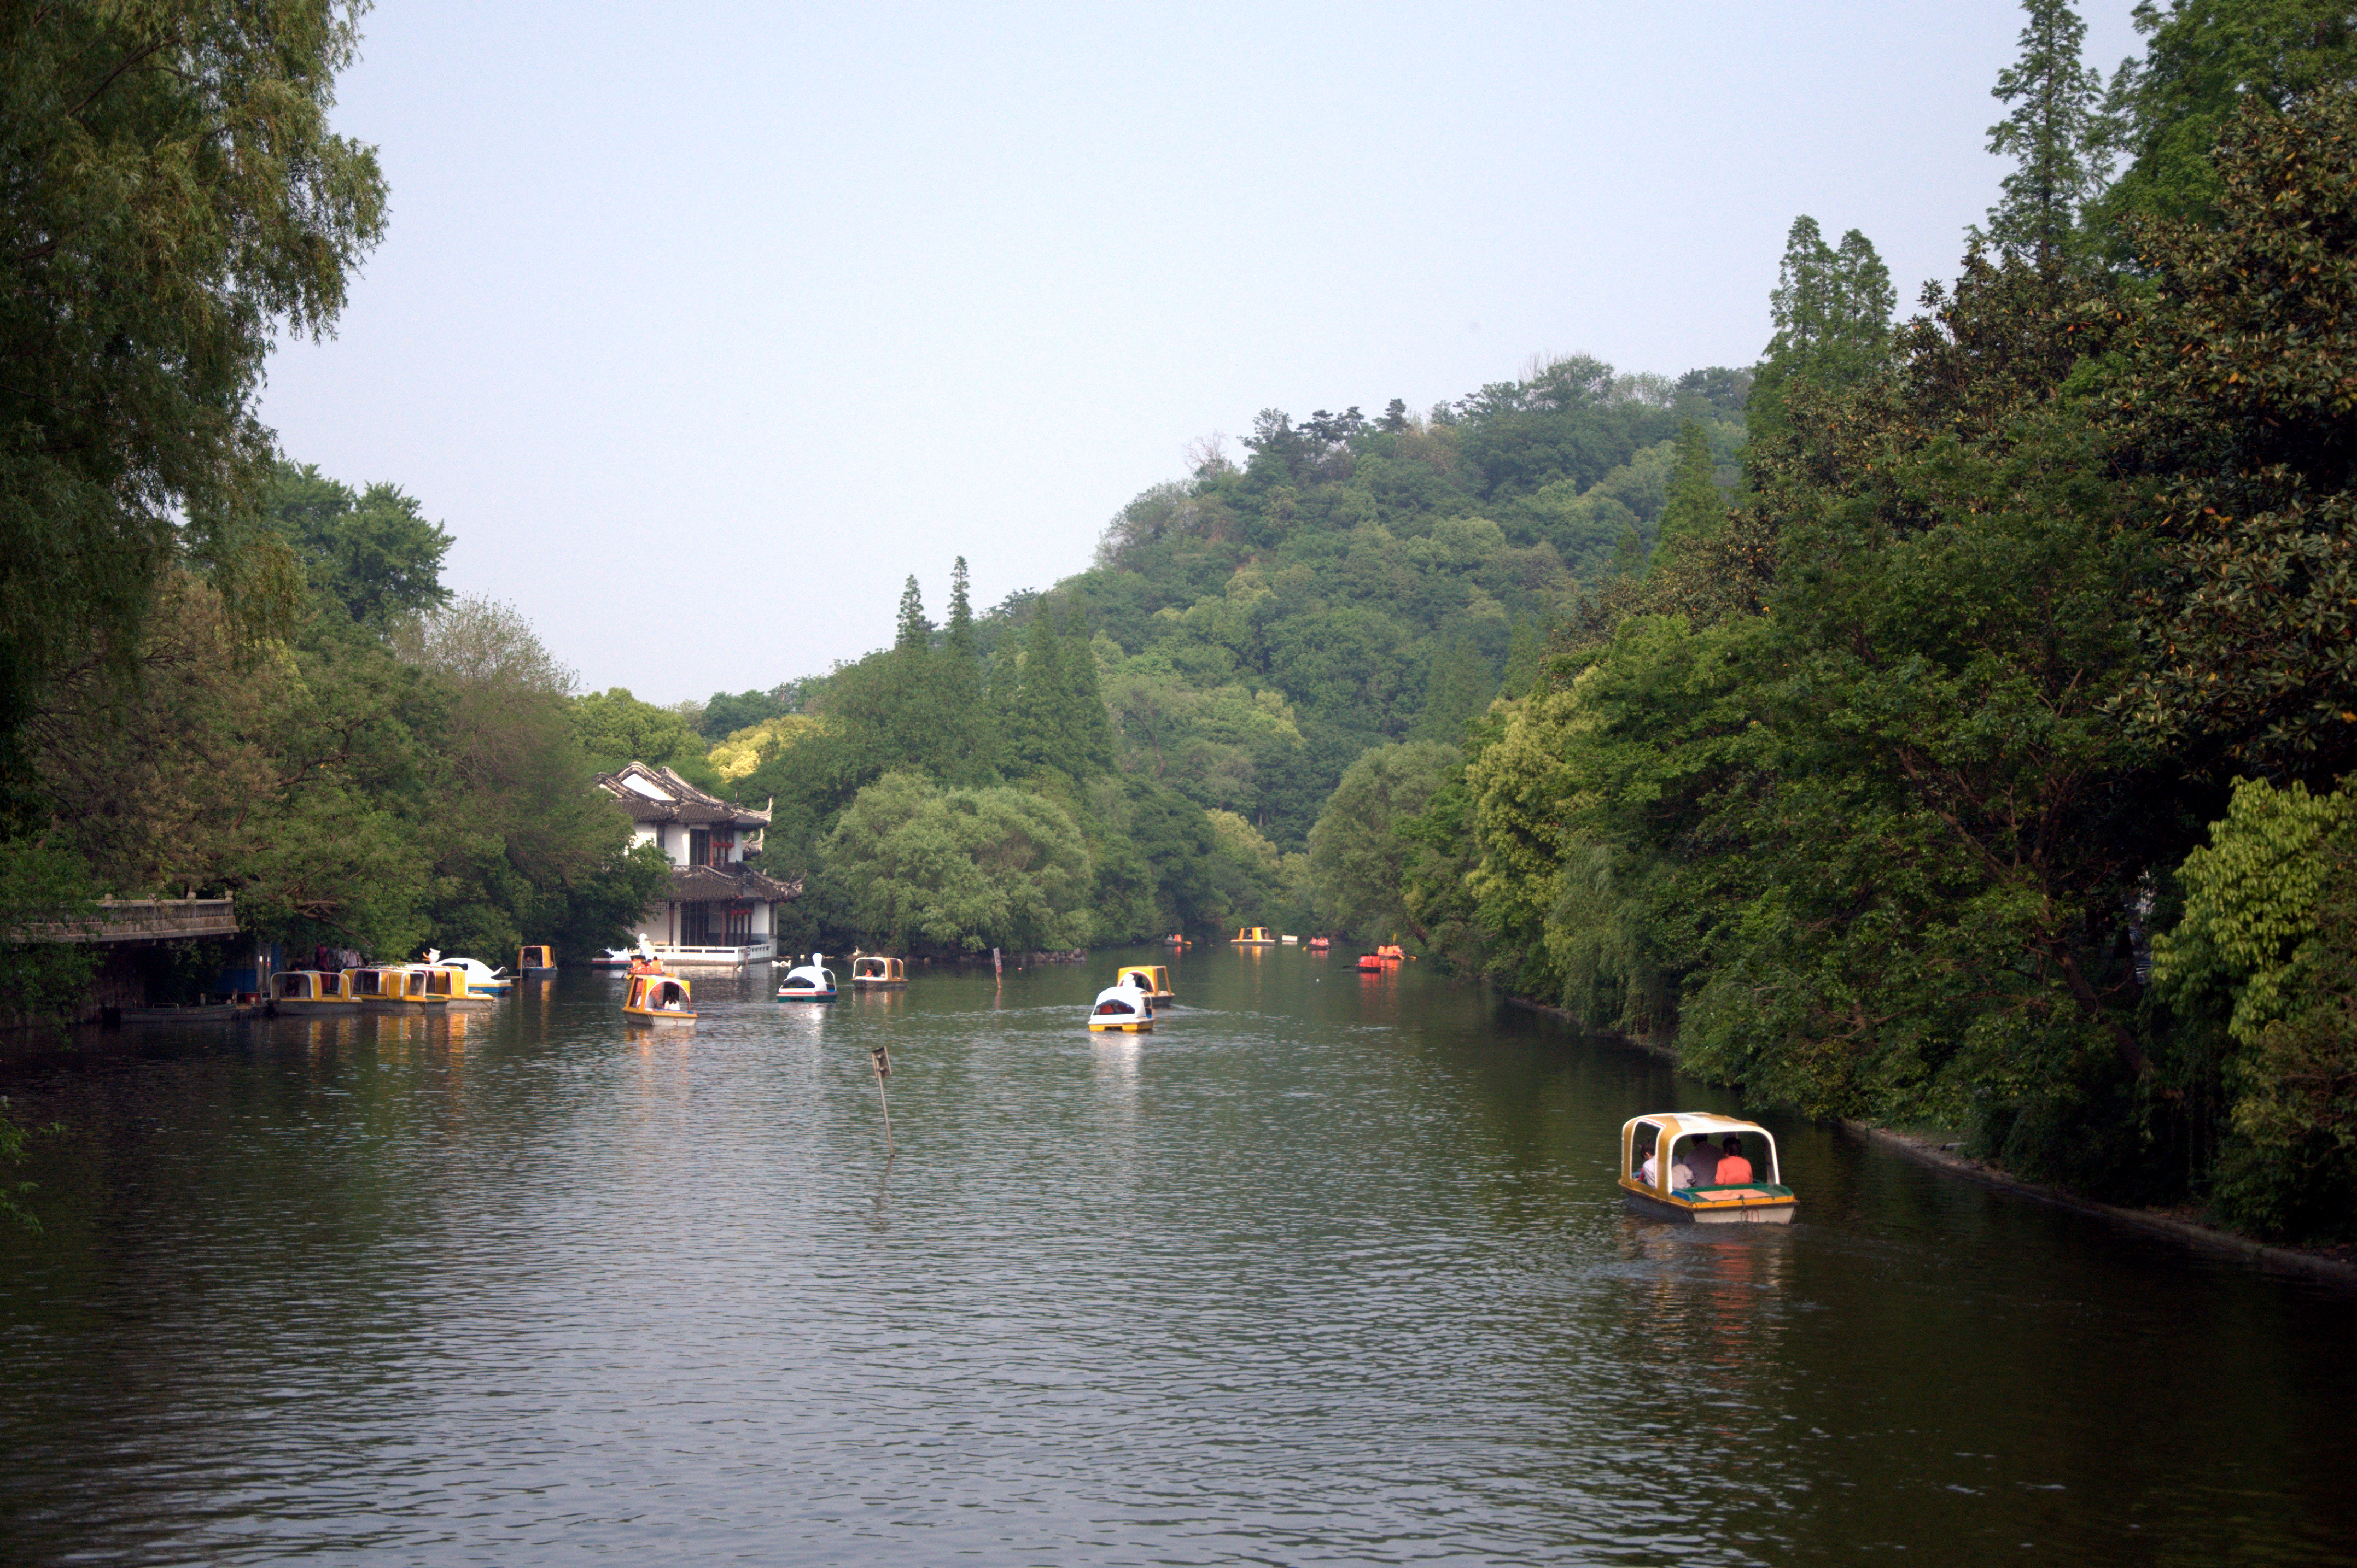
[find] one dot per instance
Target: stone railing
(138, 920)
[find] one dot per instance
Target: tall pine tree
(1036, 727)
(1832, 308)
(915, 632)
(1695, 507)
(2058, 135)
(1087, 728)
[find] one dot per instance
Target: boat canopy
(1669, 1126)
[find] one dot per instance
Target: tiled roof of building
(660, 795)
(709, 883)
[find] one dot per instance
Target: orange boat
(1320, 944)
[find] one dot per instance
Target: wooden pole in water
(882, 1060)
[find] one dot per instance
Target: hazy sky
(701, 327)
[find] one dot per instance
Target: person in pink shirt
(1734, 1170)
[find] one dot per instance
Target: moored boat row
(438, 982)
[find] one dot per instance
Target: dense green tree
(959, 639)
(962, 871)
(2267, 946)
(1358, 864)
(1459, 686)
(373, 556)
(2205, 61)
(2058, 135)
(520, 831)
(617, 729)
(175, 201)
(726, 713)
(1085, 721)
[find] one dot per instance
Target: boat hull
(1772, 1211)
(879, 985)
(658, 1016)
(206, 1013)
(1129, 1027)
(806, 995)
(289, 1006)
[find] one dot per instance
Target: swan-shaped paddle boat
(1124, 1008)
(812, 981)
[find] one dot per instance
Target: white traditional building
(720, 913)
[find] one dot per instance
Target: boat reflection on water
(1113, 1063)
(1711, 1299)
(322, 1031)
(402, 1028)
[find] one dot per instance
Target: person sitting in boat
(1646, 1172)
(1702, 1160)
(1734, 1170)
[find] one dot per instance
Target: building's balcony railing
(138, 920)
(755, 950)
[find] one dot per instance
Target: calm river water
(1326, 1270)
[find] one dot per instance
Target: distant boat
(483, 982)
(1124, 1008)
(877, 972)
(1151, 978)
(1252, 936)
(536, 962)
(1320, 944)
(614, 957)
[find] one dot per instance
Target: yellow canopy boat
(1154, 979)
(313, 991)
(876, 971)
(394, 988)
(1670, 1166)
(659, 998)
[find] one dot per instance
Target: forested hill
(1336, 584)
(1377, 578)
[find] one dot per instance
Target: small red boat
(1371, 964)
(1320, 944)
